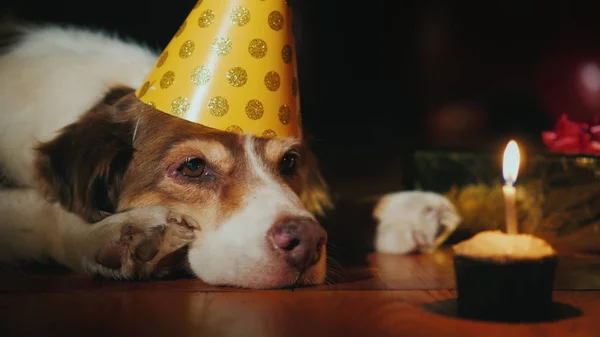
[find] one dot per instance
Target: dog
(108, 186)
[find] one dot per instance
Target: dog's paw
(413, 221)
(150, 242)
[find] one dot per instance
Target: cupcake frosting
(497, 245)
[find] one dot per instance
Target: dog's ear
(315, 192)
(83, 166)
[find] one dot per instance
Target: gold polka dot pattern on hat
(181, 29)
(286, 54)
(218, 106)
(284, 114)
(151, 104)
(234, 129)
(162, 59)
(254, 109)
(257, 48)
(144, 89)
(237, 76)
(295, 87)
(206, 18)
(240, 16)
(167, 79)
(231, 65)
(200, 75)
(180, 106)
(269, 133)
(276, 20)
(221, 46)
(187, 49)
(272, 81)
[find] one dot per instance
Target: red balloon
(569, 82)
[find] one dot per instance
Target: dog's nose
(301, 240)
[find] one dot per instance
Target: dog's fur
(96, 174)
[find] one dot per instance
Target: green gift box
(556, 194)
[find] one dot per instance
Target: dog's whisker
(334, 267)
(332, 262)
(332, 259)
(331, 247)
(296, 281)
(328, 281)
(336, 278)
(337, 274)
(137, 124)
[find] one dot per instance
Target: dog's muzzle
(299, 240)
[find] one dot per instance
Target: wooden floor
(394, 296)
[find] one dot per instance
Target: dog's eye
(288, 164)
(193, 167)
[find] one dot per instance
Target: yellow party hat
(231, 66)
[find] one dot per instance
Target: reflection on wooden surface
(395, 295)
(269, 313)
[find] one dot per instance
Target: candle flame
(510, 165)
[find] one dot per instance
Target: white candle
(510, 170)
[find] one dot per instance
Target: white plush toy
(413, 221)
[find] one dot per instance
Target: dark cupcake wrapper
(512, 290)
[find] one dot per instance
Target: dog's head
(253, 200)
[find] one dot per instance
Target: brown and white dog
(106, 185)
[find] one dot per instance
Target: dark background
(382, 78)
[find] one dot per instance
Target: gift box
(558, 190)
(556, 194)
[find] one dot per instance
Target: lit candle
(505, 276)
(510, 170)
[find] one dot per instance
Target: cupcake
(501, 277)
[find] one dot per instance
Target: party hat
(230, 66)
